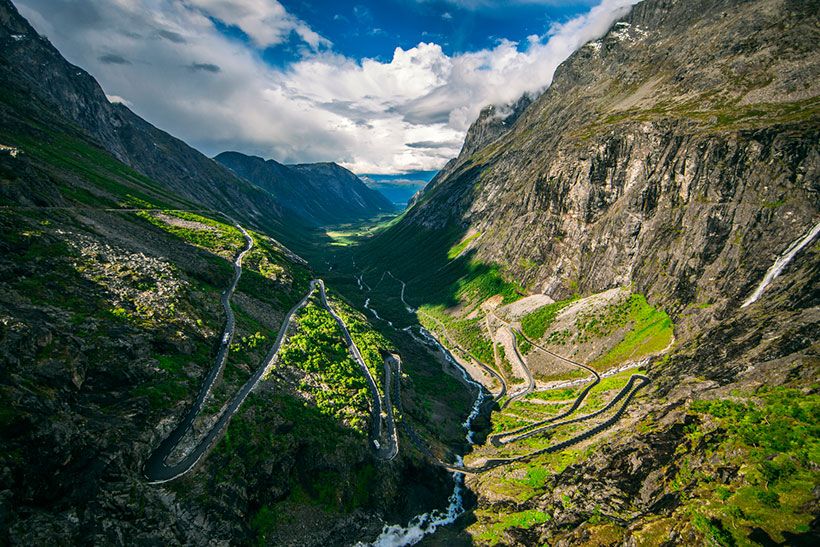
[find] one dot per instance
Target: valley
(596, 325)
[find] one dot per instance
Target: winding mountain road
(382, 423)
(157, 469)
(496, 359)
(498, 438)
(635, 383)
(523, 365)
(483, 366)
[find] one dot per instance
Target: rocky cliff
(672, 153)
(676, 156)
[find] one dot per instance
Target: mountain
(122, 311)
(320, 193)
(675, 160)
(627, 263)
(41, 84)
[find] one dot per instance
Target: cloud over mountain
(175, 62)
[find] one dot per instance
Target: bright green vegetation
(524, 345)
(651, 332)
(267, 258)
(536, 323)
(333, 379)
(459, 247)
(369, 341)
(562, 394)
(535, 411)
(523, 481)
(352, 233)
(223, 239)
(468, 333)
(483, 281)
(525, 411)
(506, 421)
(520, 413)
(772, 438)
(523, 520)
(269, 276)
(596, 398)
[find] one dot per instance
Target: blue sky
(375, 29)
(386, 88)
(399, 188)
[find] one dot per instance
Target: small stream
(422, 525)
(427, 523)
(375, 313)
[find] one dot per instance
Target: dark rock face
(320, 193)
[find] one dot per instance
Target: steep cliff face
(672, 153)
(676, 156)
(492, 122)
(320, 193)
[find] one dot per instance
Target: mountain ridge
(676, 158)
(36, 69)
(323, 193)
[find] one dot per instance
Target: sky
(386, 88)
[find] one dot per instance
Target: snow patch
(595, 46)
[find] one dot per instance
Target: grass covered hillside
(110, 319)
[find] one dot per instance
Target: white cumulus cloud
(175, 68)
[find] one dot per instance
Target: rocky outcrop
(493, 122)
(677, 155)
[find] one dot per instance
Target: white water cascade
(427, 523)
(781, 263)
(375, 313)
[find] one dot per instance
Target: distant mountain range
(321, 193)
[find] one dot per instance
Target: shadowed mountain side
(319, 193)
(39, 83)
